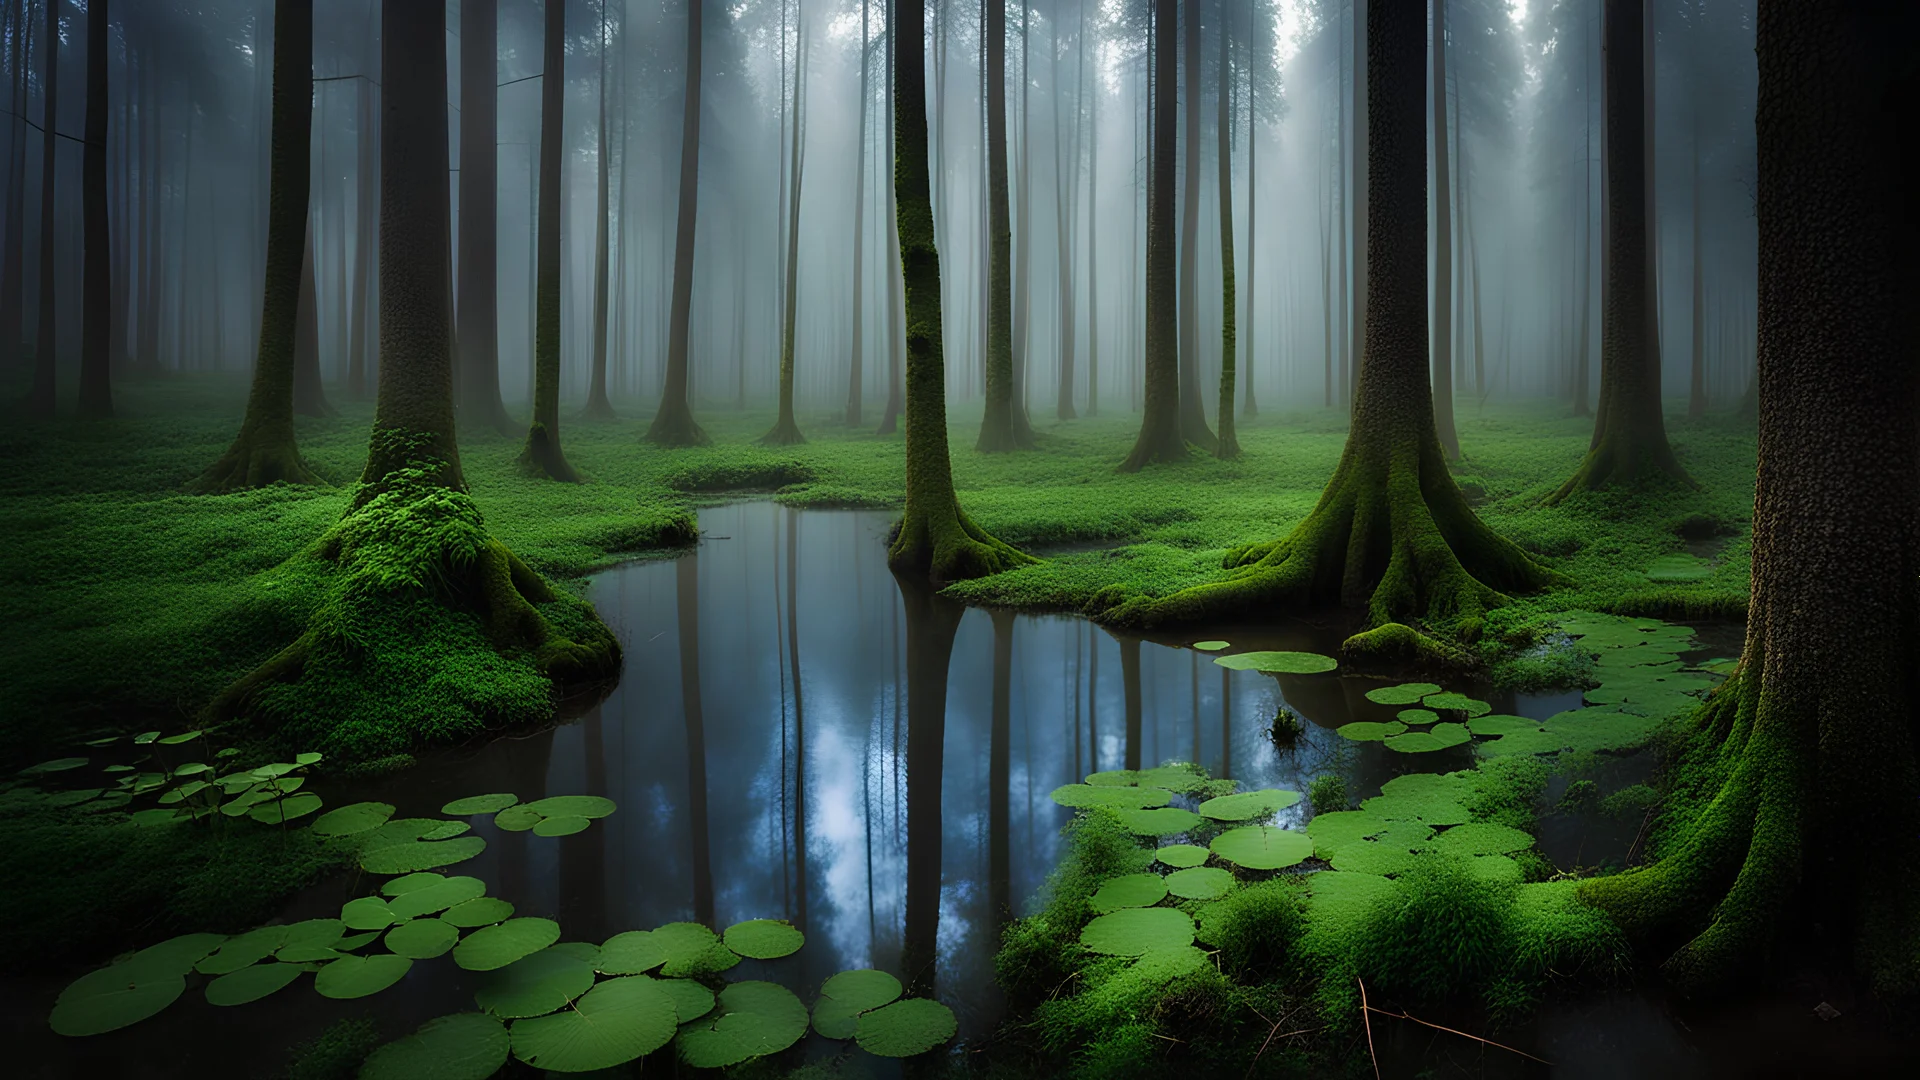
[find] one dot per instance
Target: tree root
(955, 550)
(255, 460)
(785, 433)
(674, 428)
(542, 455)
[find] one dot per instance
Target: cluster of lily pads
(559, 1006)
(184, 781)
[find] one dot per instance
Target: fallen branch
(1438, 1027)
(1368, 1021)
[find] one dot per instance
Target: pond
(795, 736)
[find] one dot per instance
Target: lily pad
(1082, 796)
(1262, 847)
(905, 1028)
(407, 883)
(1417, 717)
(420, 855)
(281, 811)
(764, 939)
(691, 1001)
(251, 983)
(1500, 725)
(464, 1046)
(586, 806)
(1181, 856)
(1212, 646)
(692, 949)
(360, 976)
(1129, 891)
(479, 804)
(611, 1024)
(534, 985)
(1403, 694)
(497, 946)
(1442, 737)
(1200, 883)
(349, 820)
(354, 941)
(422, 939)
(483, 911)
(631, 953)
(438, 896)
(1370, 730)
(1134, 931)
(565, 825)
(753, 1019)
(1248, 804)
(1283, 663)
(310, 941)
(1114, 778)
(1481, 838)
(368, 913)
(1165, 821)
(448, 831)
(1179, 779)
(846, 995)
(114, 997)
(517, 818)
(243, 951)
(1457, 703)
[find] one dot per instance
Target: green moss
(1328, 794)
(1257, 929)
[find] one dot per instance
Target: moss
(336, 1053)
(1328, 794)
(1443, 935)
(1399, 648)
(1257, 929)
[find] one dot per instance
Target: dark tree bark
(998, 430)
(13, 262)
(265, 451)
(935, 541)
(1697, 384)
(1093, 251)
(932, 623)
(309, 395)
(674, 425)
(1253, 199)
(478, 313)
(1358, 148)
(1629, 435)
(1160, 427)
(1227, 447)
(542, 453)
(1066, 197)
(45, 354)
(598, 406)
(786, 429)
(1807, 823)
(1442, 245)
(363, 246)
(1391, 532)
(96, 386)
(896, 302)
(858, 346)
(1023, 246)
(1193, 412)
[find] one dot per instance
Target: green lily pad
(534, 985)
(1179, 779)
(691, 1001)
(54, 766)
(437, 896)
(360, 976)
(753, 1019)
(1435, 809)
(1165, 965)
(632, 953)
(1200, 883)
(1262, 847)
(1370, 730)
(1211, 646)
(1481, 838)
(846, 995)
(905, 1028)
(243, 951)
(1134, 931)
(1442, 737)
(517, 818)
(1403, 694)
(483, 911)
(407, 883)
(1129, 891)
(422, 939)
(1537, 741)
(310, 941)
(1457, 703)
(251, 983)
(1248, 804)
(692, 949)
(464, 1046)
(1500, 725)
(159, 816)
(1164, 821)
(611, 1024)
(1114, 778)
(586, 806)
(448, 831)
(561, 826)
(349, 820)
(281, 811)
(368, 913)
(414, 855)
(1181, 856)
(114, 997)
(764, 939)
(354, 941)
(1083, 796)
(497, 946)
(1283, 663)
(479, 804)
(1389, 852)
(1417, 717)
(177, 954)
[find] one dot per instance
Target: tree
(859, 342)
(1391, 532)
(932, 622)
(896, 314)
(366, 178)
(41, 399)
(1442, 246)
(1799, 797)
(1160, 431)
(786, 431)
(1253, 195)
(542, 452)
(673, 424)
(13, 262)
(1227, 447)
(1629, 435)
(598, 407)
(479, 337)
(1066, 198)
(935, 540)
(265, 451)
(998, 430)
(96, 388)
(1193, 414)
(309, 395)
(420, 592)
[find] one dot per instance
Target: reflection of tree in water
(931, 625)
(1130, 686)
(799, 911)
(999, 771)
(583, 856)
(687, 600)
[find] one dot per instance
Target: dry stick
(1365, 1019)
(1448, 1030)
(1648, 817)
(1272, 1027)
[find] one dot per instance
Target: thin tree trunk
(13, 261)
(543, 453)
(309, 396)
(478, 313)
(674, 424)
(45, 352)
(1228, 446)
(363, 244)
(1093, 248)
(96, 304)
(1253, 200)
(998, 431)
(1022, 279)
(1697, 391)
(1066, 189)
(1356, 355)
(854, 372)
(786, 430)
(1193, 412)
(1160, 428)
(1442, 244)
(598, 406)
(896, 302)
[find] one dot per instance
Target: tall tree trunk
(1697, 390)
(309, 395)
(1329, 236)
(1022, 279)
(1392, 532)
(45, 353)
(1253, 200)
(1093, 246)
(96, 304)
(896, 301)
(1630, 436)
(1442, 245)
(1358, 150)
(935, 541)
(13, 260)
(1228, 446)
(265, 451)
(542, 453)
(1160, 427)
(997, 429)
(598, 406)
(1066, 193)
(1814, 829)
(363, 244)
(478, 313)
(1193, 412)
(674, 424)
(855, 368)
(786, 430)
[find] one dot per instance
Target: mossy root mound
(429, 630)
(948, 547)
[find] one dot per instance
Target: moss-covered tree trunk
(542, 452)
(1193, 413)
(1391, 532)
(1227, 447)
(896, 303)
(1697, 380)
(1809, 797)
(265, 451)
(674, 425)
(786, 430)
(997, 429)
(96, 385)
(1160, 438)
(598, 406)
(477, 312)
(430, 627)
(935, 540)
(1629, 435)
(1442, 245)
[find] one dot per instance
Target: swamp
(929, 539)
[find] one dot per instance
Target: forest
(1110, 539)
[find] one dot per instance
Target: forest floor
(130, 600)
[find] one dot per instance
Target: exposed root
(1621, 460)
(956, 550)
(598, 409)
(674, 427)
(256, 459)
(785, 433)
(542, 454)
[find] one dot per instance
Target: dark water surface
(760, 751)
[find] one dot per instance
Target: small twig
(1644, 820)
(1169, 1038)
(1368, 1021)
(1062, 986)
(1273, 1027)
(1450, 1031)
